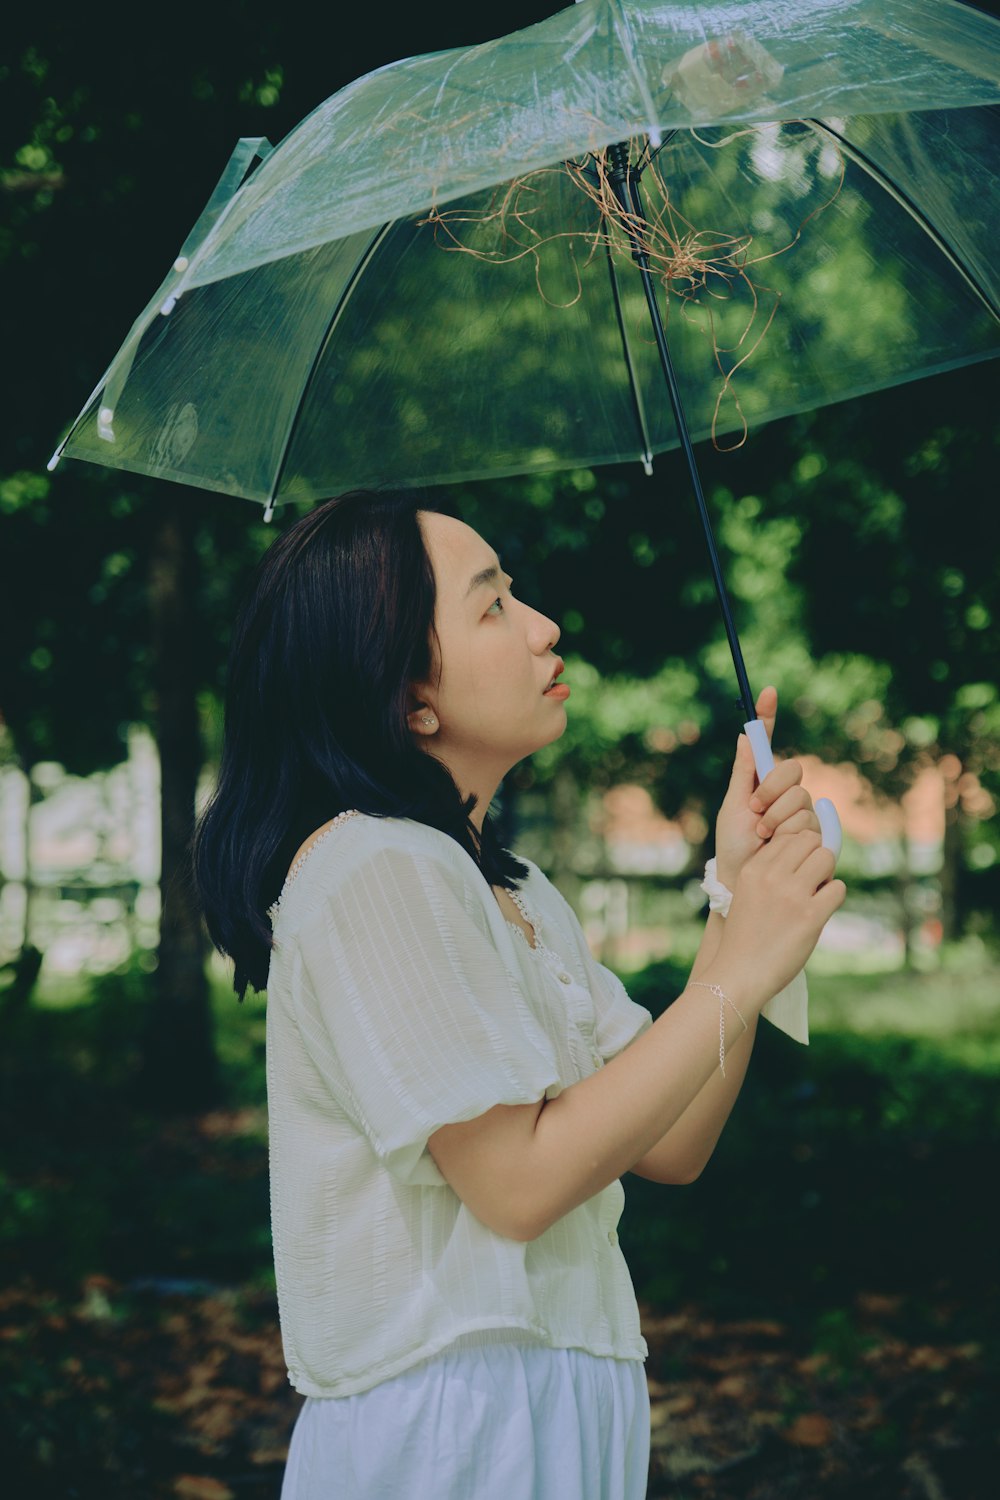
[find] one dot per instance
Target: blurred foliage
(910, 686)
(860, 1161)
(862, 550)
(92, 1180)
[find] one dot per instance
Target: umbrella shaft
(627, 192)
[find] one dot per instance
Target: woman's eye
(497, 604)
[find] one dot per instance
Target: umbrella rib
(640, 414)
(916, 213)
(331, 326)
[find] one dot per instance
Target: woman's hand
(751, 814)
(783, 899)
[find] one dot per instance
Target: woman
(455, 1086)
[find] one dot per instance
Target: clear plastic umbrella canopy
(430, 280)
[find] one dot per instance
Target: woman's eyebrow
(485, 575)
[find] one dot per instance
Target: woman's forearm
(683, 1152)
(709, 945)
(520, 1168)
(600, 1127)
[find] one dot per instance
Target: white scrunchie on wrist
(720, 898)
(789, 1008)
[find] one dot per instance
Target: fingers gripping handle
(764, 761)
(761, 747)
(829, 824)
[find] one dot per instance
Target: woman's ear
(421, 717)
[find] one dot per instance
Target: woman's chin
(558, 729)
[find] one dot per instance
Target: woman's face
(487, 695)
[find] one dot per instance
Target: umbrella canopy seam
(321, 347)
(904, 200)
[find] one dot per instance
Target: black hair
(336, 626)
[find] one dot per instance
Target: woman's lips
(558, 690)
(560, 667)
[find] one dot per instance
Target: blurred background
(821, 1305)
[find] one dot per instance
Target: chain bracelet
(723, 1002)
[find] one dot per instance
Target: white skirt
(499, 1421)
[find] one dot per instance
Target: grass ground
(821, 1306)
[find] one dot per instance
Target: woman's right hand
(783, 899)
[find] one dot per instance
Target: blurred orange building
(639, 838)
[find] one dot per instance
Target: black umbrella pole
(627, 192)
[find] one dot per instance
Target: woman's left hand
(751, 814)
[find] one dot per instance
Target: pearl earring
(429, 721)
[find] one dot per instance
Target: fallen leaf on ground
(810, 1430)
(201, 1487)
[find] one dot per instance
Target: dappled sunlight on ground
(180, 1393)
(873, 1401)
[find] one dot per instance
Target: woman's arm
(748, 815)
(682, 1154)
(520, 1168)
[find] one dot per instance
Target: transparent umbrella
(636, 224)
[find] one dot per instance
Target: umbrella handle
(829, 822)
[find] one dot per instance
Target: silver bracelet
(724, 1000)
(720, 897)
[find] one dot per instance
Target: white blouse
(400, 1000)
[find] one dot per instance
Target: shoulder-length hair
(336, 626)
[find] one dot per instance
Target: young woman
(455, 1086)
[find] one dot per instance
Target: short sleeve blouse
(401, 1000)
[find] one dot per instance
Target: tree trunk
(951, 866)
(564, 805)
(181, 1072)
(26, 967)
(904, 896)
(29, 874)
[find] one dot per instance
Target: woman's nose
(545, 632)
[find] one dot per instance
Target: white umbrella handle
(829, 822)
